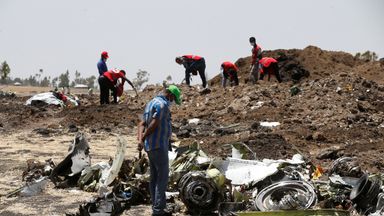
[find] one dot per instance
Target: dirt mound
(313, 63)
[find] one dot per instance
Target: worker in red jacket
(112, 80)
(256, 56)
(193, 64)
(269, 66)
(229, 71)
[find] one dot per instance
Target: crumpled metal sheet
(117, 162)
(346, 166)
(90, 176)
(200, 193)
(78, 158)
(307, 212)
(365, 193)
(286, 195)
(187, 159)
(35, 187)
(247, 172)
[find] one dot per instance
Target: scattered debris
(346, 166)
(36, 170)
(70, 168)
(286, 195)
(52, 98)
(34, 188)
(202, 191)
(269, 124)
(365, 193)
(295, 90)
(72, 128)
(9, 94)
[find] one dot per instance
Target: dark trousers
(272, 69)
(232, 76)
(106, 85)
(197, 66)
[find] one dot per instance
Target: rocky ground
(338, 111)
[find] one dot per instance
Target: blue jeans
(159, 167)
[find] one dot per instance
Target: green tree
(17, 79)
(64, 79)
(32, 81)
(5, 70)
(142, 77)
(367, 56)
(72, 84)
(54, 81)
(45, 81)
(90, 81)
(77, 77)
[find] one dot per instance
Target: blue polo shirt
(102, 66)
(158, 108)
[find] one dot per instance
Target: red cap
(104, 54)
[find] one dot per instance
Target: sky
(70, 35)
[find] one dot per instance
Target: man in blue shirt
(101, 65)
(154, 132)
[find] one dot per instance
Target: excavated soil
(340, 106)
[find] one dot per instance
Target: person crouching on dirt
(193, 64)
(154, 133)
(256, 56)
(229, 71)
(269, 66)
(112, 80)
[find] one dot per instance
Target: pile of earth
(313, 63)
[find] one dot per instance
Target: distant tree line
(63, 80)
(367, 56)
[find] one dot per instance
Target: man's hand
(140, 146)
(140, 136)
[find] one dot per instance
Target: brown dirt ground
(340, 105)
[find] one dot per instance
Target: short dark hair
(123, 71)
(179, 59)
(252, 39)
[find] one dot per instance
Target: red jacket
(113, 76)
(256, 54)
(228, 66)
(266, 61)
(192, 57)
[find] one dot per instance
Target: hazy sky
(60, 35)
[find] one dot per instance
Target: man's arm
(140, 130)
(151, 127)
(131, 84)
(224, 80)
(142, 133)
